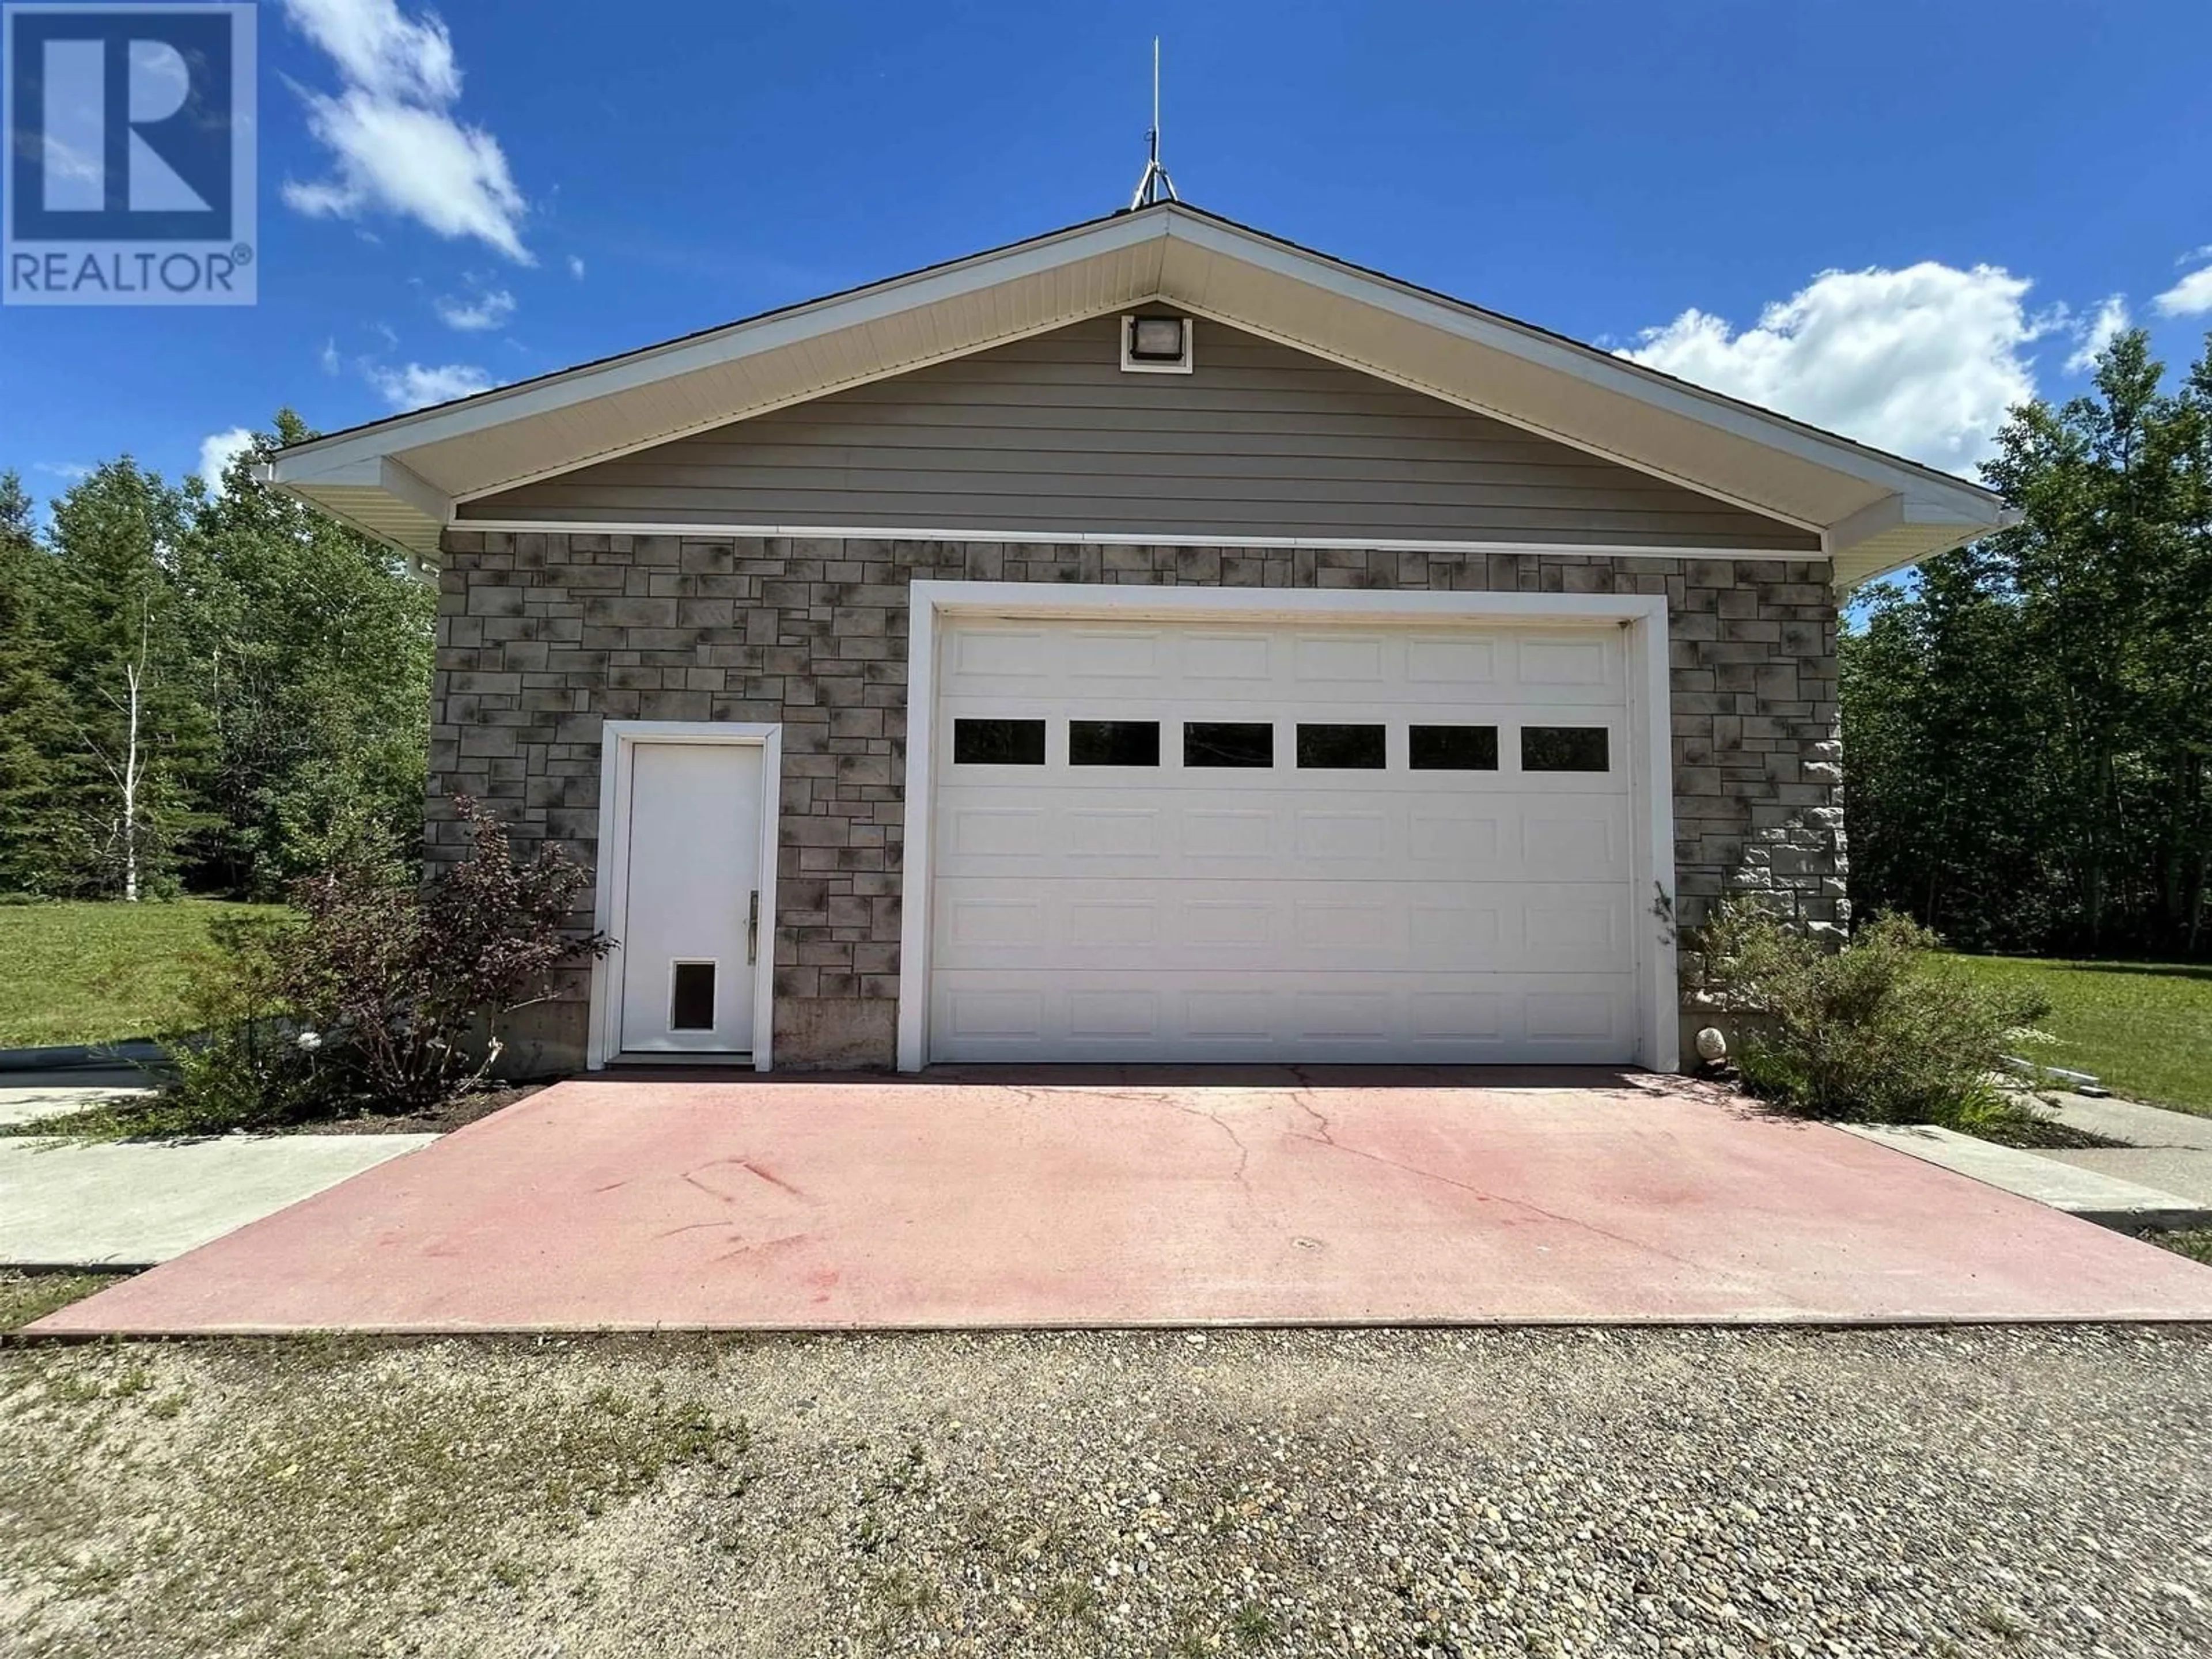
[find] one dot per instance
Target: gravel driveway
(1980, 1491)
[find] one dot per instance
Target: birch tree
(116, 614)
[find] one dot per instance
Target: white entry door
(692, 921)
(1250, 842)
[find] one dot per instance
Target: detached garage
(1152, 642)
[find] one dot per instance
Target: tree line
(2028, 727)
(202, 689)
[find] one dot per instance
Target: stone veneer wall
(542, 637)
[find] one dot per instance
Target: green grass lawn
(2145, 1029)
(100, 973)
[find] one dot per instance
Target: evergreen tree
(39, 853)
(2028, 724)
(312, 645)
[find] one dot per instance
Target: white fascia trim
(1103, 539)
(373, 471)
(1499, 412)
(382, 473)
(611, 877)
(889, 371)
(1610, 373)
(418, 560)
(1943, 530)
(1902, 512)
(739, 340)
(1651, 712)
(397, 479)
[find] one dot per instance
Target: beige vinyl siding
(1051, 436)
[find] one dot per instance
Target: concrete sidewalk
(2132, 1121)
(2109, 1197)
(133, 1204)
(2169, 1151)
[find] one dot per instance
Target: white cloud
(1924, 362)
(486, 309)
(73, 471)
(329, 357)
(417, 387)
(2190, 297)
(2101, 330)
(379, 48)
(218, 450)
(576, 267)
(391, 131)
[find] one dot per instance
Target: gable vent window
(1155, 345)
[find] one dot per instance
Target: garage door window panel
(1228, 744)
(1112, 742)
(1565, 749)
(997, 742)
(1452, 748)
(1342, 748)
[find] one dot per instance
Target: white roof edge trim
(827, 388)
(1429, 388)
(1940, 535)
(789, 326)
(1581, 363)
(395, 479)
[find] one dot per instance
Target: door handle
(752, 928)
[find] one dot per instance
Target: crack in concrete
(1212, 1115)
(1323, 1134)
(1326, 1136)
(1033, 1094)
(1164, 1095)
(692, 1227)
(1321, 1118)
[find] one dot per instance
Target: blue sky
(459, 201)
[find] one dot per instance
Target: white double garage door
(1219, 840)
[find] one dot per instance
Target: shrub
(384, 996)
(1886, 1029)
(237, 1066)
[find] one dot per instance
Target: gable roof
(401, 478)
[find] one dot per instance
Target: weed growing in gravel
(2001, 1622)
(1071, 1601)
(1254, 1626)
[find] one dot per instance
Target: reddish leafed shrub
(385, 996)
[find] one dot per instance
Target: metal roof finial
(1155, 186)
